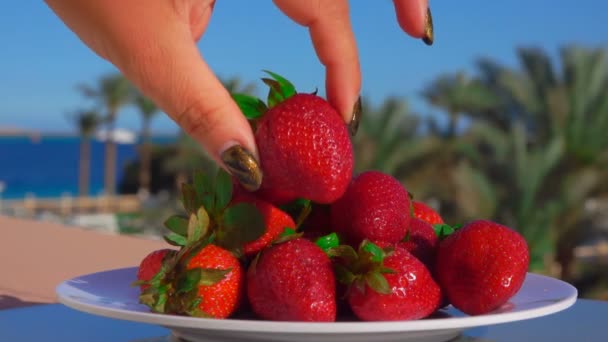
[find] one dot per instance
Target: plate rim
(312, 328)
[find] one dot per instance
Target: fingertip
(343, 83)
(412, 16)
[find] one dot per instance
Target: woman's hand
(153, 43)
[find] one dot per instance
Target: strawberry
(275, 222)
(292, 281)
(203, 278)
(387, 285)
(374, 207)
(221, 294)
(422, 241)
(481, 266)
(304, 145)
(426, 213)
(151, 265)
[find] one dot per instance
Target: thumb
(172, 73)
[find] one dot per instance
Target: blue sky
(41, 61)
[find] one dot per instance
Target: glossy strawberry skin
(292, 281)
(422, 242)
(374, 207)
(426, 213)
(151, 264)
(275, 221)
(305, 149)
(415, 294)
(221, 299)
(481, 266)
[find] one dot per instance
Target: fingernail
(242, 165)
(429, 37)
(353, 126)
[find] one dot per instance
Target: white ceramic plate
(109, 294)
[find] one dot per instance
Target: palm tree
(112, 93)
(148, 110)
(86, 122)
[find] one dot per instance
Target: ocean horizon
(46, 166)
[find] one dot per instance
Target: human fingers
(414, 17)
(330, 29)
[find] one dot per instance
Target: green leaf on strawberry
(189, 198)
(241, 223)
(198, 225)
(212, 276)
(175, 239)
(189, 280)
(252, 107)
(223, 189)
(177, 224)
(444, 230)
(204, 188)
(377, 282)
(280, 88)
(328, 242)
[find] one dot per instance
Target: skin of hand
(153, 44)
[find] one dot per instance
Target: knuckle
(199, 120)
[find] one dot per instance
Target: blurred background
(504, 118)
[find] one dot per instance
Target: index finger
(414, 17)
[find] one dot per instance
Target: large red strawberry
(375, 207)
(304, 145)
(151, 265)
(481, 266)
(426, 213)
(292, 281)
(275, 222)
(422, 241)
(389, 286)
(219, 295)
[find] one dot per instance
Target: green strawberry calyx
(280, 89)
(444, 230)
(362, 268)
(211, 218)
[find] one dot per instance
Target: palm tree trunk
(84, 166)
(110, 158)
(453, 117)
(144, 168)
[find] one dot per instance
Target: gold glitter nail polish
(429, 36)
(353, 126)
(242, 165)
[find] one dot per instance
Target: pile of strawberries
(317, 242)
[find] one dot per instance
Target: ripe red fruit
(221, 298)
(305, 149)
(292, 281)
(422, 241)
(481, 266)
(275, 222)
(151, 264)
(374, 207)
(426, 213)
(414, 294)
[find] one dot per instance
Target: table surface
(585, 321)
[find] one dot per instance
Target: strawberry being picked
(292, 281)
(304, 145)
(375, 207)
(481, 266)
(385, 284)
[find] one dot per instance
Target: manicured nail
(242, 165)
(353, 126)
(429, 37)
